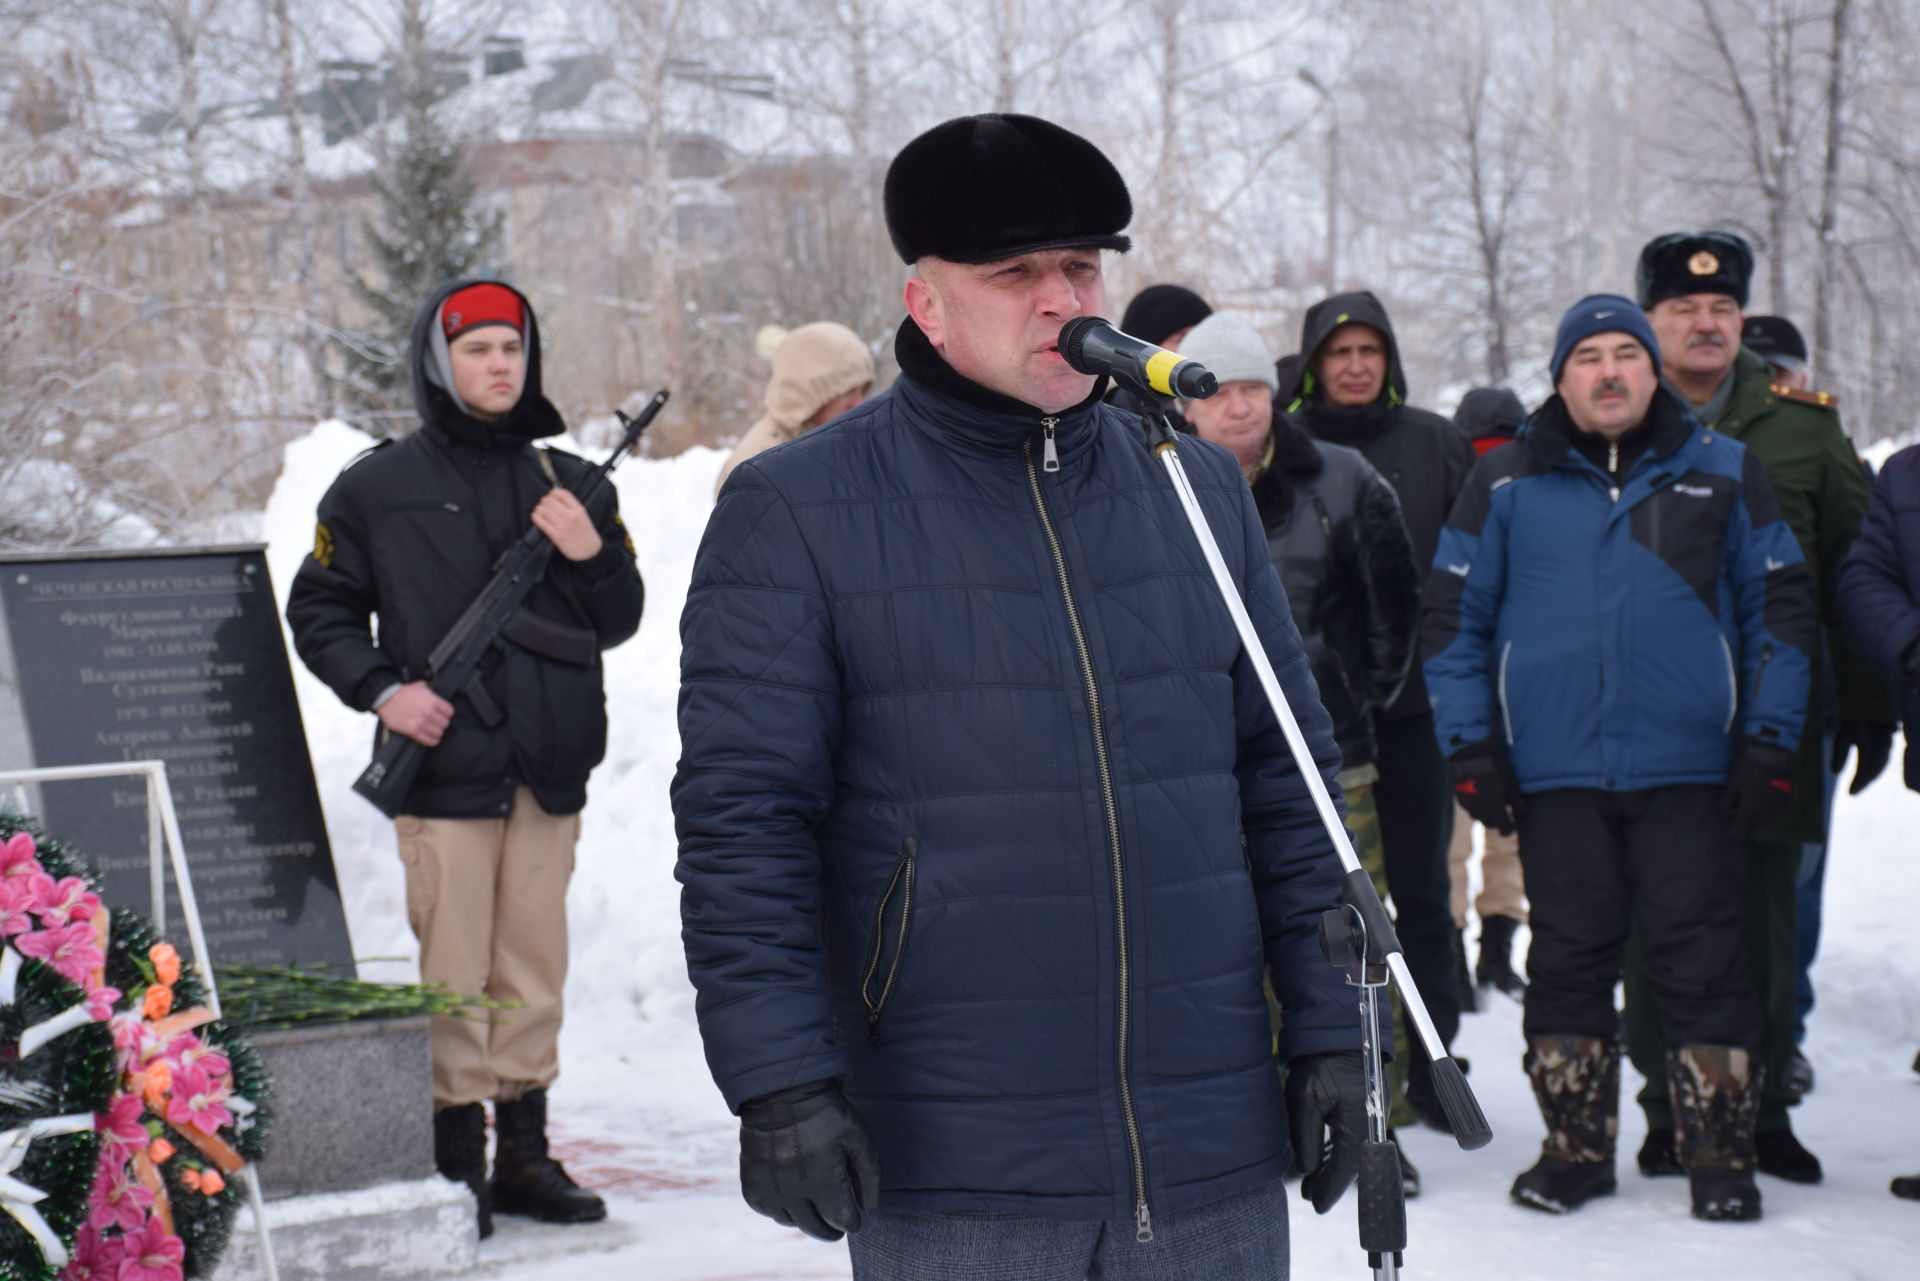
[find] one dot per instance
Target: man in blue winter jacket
(1618, 635)
(987, 832)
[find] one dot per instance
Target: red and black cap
(483, 304)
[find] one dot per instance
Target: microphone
(1092, 346)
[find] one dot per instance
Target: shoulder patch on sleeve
(1823, 399)
(626, 536)
(323, 545)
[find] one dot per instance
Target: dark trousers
(1415, 800)
(1771, 940)
(1660, 862)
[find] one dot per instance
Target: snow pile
(640, 1121)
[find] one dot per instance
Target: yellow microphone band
(1160, 368)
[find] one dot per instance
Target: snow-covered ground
(638, 1119)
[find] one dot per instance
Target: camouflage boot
(1577, 1082)
(1716, 1100)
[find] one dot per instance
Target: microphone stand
(1358, 936)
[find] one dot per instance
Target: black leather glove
(1484, 784)
(1327, 1113)
(806, 1160)
(1874, 745)
(1759, 787)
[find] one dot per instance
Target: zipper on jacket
(1506, 711)
(902, 879)
(1613, 459)
(1142, 1216)
(1733, 685)
(1766, 656)
(1050, 454)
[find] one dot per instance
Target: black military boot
(526, 1180)
(1495, 966)
(1716, 1100)
(460, 1154)
(1785, 1157)
(1576, 1080)
(1463, 977)
(1660, 1155)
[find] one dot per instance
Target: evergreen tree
(429, 231)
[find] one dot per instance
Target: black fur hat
(983, 188)
(1684, 262)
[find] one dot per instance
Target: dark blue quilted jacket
(1618, 635)
(1880, 587)
(968, 750)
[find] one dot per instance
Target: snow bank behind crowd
(642, 1122)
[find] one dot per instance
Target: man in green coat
(1694, 288)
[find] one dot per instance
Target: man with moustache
(1619, 635)
(1693, 287)
(987, 831)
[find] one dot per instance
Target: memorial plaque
(174, 655)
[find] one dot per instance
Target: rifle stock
(454, 664)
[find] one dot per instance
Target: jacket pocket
(893, 914)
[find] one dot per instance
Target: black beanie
(1160, 310)
(983, 188)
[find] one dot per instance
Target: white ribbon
(10, 964)
(20, 1199)
(52, 1029)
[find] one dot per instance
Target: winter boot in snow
(1716, 1100)
(1409, 1177)
(1660, 1155)
(1784, 1157)
(1495, 966)
(460, 1154)
(1577, 1082)
(526, 1180)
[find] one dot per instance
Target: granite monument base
(349, 1180)
(390, 1232)
(352, 1106)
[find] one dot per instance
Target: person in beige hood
(819, 372)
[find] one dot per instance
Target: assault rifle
(494, 616)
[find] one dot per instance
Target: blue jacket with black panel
(1618, 633)
(982, 809)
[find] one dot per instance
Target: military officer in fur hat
(1694, 287)
(987, 831)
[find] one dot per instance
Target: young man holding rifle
(409, 534)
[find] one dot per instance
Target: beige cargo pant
(487, 899)
(1503, 888)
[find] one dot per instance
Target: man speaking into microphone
(987, 831)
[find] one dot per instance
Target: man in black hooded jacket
(1353, 391)
(409, 533)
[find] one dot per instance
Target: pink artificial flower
(71, 950)
(120, 1127)
(19, 856)
(63, 902)
(133, 1040)
(95, 1257)
(199, 1101)
(117, 1201)
(152, 1254)
(15, 900)
(100, 1003)
(204, 1057)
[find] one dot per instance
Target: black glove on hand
(1759, 787)
(1327, 1111)
(806, 1160)
(1484, 784)
(1874, 743)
